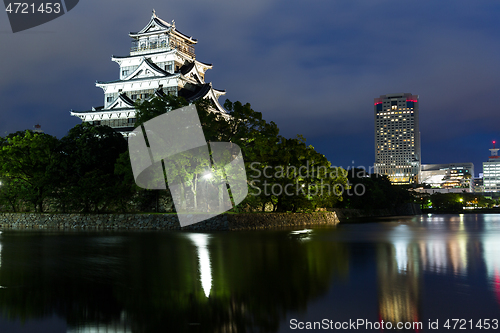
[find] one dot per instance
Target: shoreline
(223, 222)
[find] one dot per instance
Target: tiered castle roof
(161, 61)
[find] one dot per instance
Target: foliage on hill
(89, 169)
(373, 191)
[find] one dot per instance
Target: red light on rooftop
(412, 100)
(376, 103)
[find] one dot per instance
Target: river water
(438, 271)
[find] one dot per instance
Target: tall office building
(397, 137)
(491, 171)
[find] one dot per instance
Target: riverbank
(229, 222)
(346, 215)
(495, 210)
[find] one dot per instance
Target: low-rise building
(491, 171)
(453, 176)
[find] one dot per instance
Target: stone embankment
(244, 221)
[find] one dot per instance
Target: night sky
(313, 67)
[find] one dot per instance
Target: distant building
(478, 184)
(440, 190)
(161, 62)
(397, 137)
(491, 171)
(448, 176)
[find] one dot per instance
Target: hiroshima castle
(162, 62)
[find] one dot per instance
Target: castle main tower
(161, 62)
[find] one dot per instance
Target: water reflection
(491, 250)
(423, 268)
(444, 248)
(153, 282)
(115, 326)
(201, 243)
(399, 278)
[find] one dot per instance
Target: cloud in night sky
(313, 67)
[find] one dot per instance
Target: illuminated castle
(162, 62)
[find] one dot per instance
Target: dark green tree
(373, 191)
(262, 148)
(85, 170)
(447, 201)
(296, 177)
(25, 158)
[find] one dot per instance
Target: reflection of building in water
(399, 279)
(440, 254)
(115, 326)
(491, 253)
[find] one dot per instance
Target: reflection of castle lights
(201, 242)
(302, 235)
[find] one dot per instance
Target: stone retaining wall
(245, 221)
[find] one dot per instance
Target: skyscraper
(491, 171)
(397, 137)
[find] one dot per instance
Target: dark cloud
(313, 67)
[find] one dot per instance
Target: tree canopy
(262, 148)
(89, 169)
